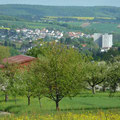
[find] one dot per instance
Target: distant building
(107, 41)
(104, 41)
(21, 60)
(98, 39)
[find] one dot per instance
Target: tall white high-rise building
(98, 39)
(103, 40)
(107, 41)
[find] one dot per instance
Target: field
(105, 27)
(84, 107)
(84, 102)
(27, 24)
(97, 27)
(4, 28)
(77, 18)
(68, 116)
(89, 27)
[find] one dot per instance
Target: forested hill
(40, 11)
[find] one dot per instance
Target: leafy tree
(95, 74)
(37, 83)
(4, 53)
(8, 80)
(25, 77)
(60, 71)
(5, 43)
(113, 77)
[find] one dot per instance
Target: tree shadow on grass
(8, 109)
(87, 109)
(90, 109)
(10, 100)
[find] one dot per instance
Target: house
(21, 60)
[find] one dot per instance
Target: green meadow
(82, 103)
(82, 26)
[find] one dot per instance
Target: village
(30, 34)
(23, 39)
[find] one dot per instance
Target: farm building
(21, 60)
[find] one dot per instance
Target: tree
(37, 83)
(113, 77)
(5, 43)
(4, 53)
(8, 80)
(95, 74)
(30, 82)
(25, 77)
(60, 72)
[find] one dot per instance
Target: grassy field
(78, 18)
(73, 26)
(31, 25)
(79, 104)
(98, 27)
(86, 106)
(104, 27)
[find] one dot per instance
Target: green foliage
(4, 53)
(14, 52)
(95, 74)
(59, 70)
(28, 11)
(107, 56)
(104, 27)
(113, 76)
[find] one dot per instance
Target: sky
(65, 2)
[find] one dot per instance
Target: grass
(84, 102)
(31, 25)
(104, 27)
(74, 26)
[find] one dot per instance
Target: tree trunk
(114, 90)
(40, 101)
(93, 90)
(104, 88)
(6, 97)
(57, 105)
(28, 100)
(15, 100)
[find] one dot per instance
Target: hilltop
(37, 11)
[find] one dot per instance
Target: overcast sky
(65, 2)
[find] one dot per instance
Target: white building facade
(104, 41)
(107, 41)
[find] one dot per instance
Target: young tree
(37, 82)
(113, 77)
(25, 78)
(8, 78)
(95, 74)
(60, 72)
(4, 53)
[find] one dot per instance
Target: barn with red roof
(22, 60)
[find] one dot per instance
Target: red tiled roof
(84, 45)
(19, 59)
